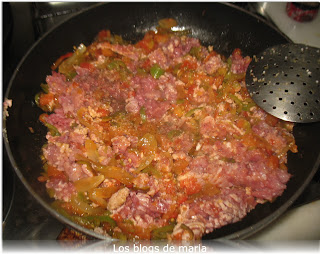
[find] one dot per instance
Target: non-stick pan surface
(221, 25)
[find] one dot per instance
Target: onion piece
(148, 146)
(67, 66)
(99, 195)
(117, 173)
(88, 183)
(92, 151)
(85, 207)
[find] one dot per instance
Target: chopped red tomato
(147, 43)
(273, 162)
(60, 60)
(190, 185)
(87, 65)
(102, 112)
(55, 173)
(271, 120)
(104, 34)
(47, 101)
(189, 65)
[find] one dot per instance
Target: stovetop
(23, 217)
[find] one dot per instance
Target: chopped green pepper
(196, 52)
(187, 229)
(229, 160)
(150, 170)
(53, 130)
(143, 114)
(116, 65)
(174, 133)
(161, 233)
(119, 235)
(192, 111)
(50, 192)
(242, 105)
(67, 66)
(247, 106)
(180, 101)
(102, 218)
(45, 88)
(37, 99)
(156, 71)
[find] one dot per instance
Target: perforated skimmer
(284, 80)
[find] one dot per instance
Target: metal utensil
(284, 80)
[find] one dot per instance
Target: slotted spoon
(284, 80)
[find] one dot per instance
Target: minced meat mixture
(158, 139)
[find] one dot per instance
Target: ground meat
(199, 164)
(230, 206)
(272, 135)
(62, 189)
(118, 199)
(239, 64)
(162, 133)
(178, 47)
(132, 106)
(58, 120)
(120, 144)
(142, 210)
(216, 127)
(126, 50)
(213, 63)
(150, 96)
(158, 57)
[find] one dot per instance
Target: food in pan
(158, 139)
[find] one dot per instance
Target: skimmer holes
(285, 82)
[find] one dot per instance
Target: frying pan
(222, 25)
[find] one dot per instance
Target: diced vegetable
(102, 218)
(143, 114)
(52, 129)
(112, 172)
(179, 166)
(105, 192)
(116, 65)
(45, 88)
(162, 232)
(180, 101)
(88, 164)
(46, 101)
(37, 99)
(196, 52)
(188, 231)
(228, 160)
(67, 66)
(117, 173)
(167, 23)
(88, 183)
(174, 133)
(148, 145)
(79, 203)
(92, 151)
(156, 71)
(152, 171)
(192, 111)
(60, 60)
(146, 160)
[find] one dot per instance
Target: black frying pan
(222, 25)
